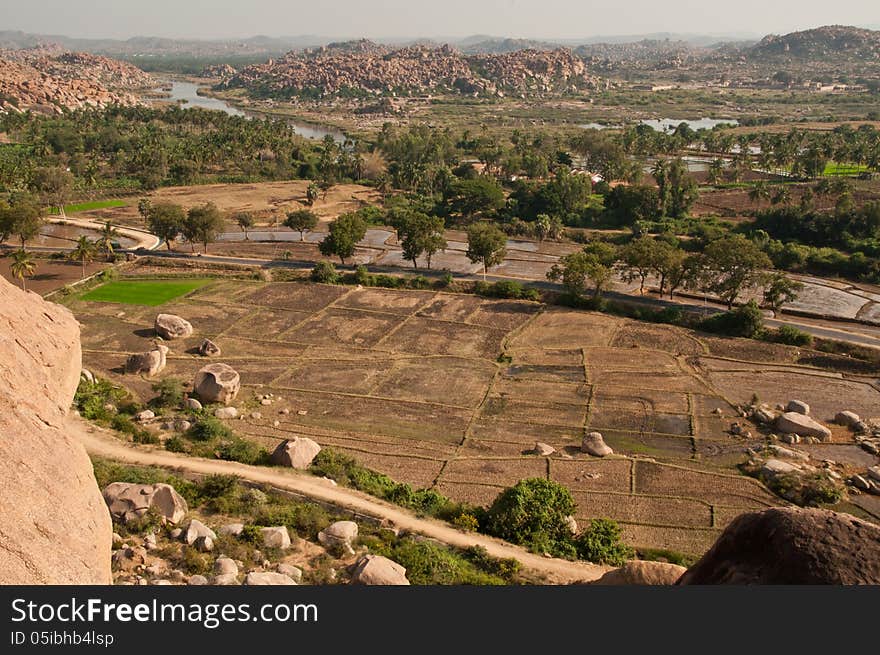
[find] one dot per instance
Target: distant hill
(831, 42)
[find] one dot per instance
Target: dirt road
(556, 571)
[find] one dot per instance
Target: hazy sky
(399, 18)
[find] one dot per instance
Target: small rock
(232, 529)
(338, 534)
(302, 412)
(176, 533)
(193, 404)
(197, 580)
(874, 473)
(773, 467)
(595, 445)
(197, 529)
(284, 411)
(276, 423)
(117, 540)
(780, 451)
(378, 570)
(790, 438)
(543, 449)
(265, 402)
(181, 425)
(129, 502)
(847, 418)
(226, 412)
(256, 416)
(225, 580)
(87, 375)
(209, 349)
(204, 544)
(144, 416)
(150, 542)
(225, 566)
(572, 524)
(798, 406)
(161, 582)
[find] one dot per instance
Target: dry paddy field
(414, 384)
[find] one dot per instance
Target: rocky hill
(365, 68)
(831, 42)
(50, 80)
(54, 526)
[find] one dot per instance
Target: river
(187, 92)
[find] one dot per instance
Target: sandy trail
(557, 571)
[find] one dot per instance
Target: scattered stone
(276, 537)
(181, 425)
(638, 572)
(193, 404)
(874, 473)
(543, 449)
(87, 375)
(226, 412)
(378, 570)
(790, 438)
(773, 467)
(798, 407)
(129, 502)
(291, 571)
(276, 423)
(232, 529)
(176, 533)
(117, 540)
(217, 383)
(861, 428)
(150, 542)
(225, 566)
(204, 544)
(197, 529)
(265, 402)
(178, 576)
(197, 580)
(595, 445)
(161, 582)
(145, 415)
(302, 412)
(209, 349)
(847, 418)
(268, 578)
(800, 424)
(339, 534)
(149, 363)
(780, 451)
(718, 411)
(256, 416)
(284, 411)
(297, 453)
(572, 524)
(764, 414)
(169, 326)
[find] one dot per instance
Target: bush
(466, 522)
(169, 393)
(534, 513)
(215, 486)
(744, 321)
(91, 400)
(324, 272)
(209, 428)
(600, 543)
(236, 449)
(791, 336)
(509, 289)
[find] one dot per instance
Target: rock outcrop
(54, 525)
(786, 545)
(169, 326)
(149, 363)
(297, 453)
(593, 444)
(802, 425)
(129, 502)
(217, 383)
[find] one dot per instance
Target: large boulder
(268, 578)
(297, 453)
(169, 326)
(149, 363)
(339, 534)
(217, 383)
(802, 425)
(378, 570)
(595, 445)
(789, 545)
(197, 530)
(637, 572)
(129, 502)
(54, 525)
(276, 537)
(798, 407)
(847, 418)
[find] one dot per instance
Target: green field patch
(142, 292)
(89, 206)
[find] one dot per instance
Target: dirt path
(142, 238)
(556, 571)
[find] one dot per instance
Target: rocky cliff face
(54, 525)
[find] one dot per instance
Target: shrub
(447, 279)
(534, 513)
(600, 543)
(176, 444)
(744, 321)
(215, 486)
(324, 272)
(419, 282)
(791, 336)
(236, 449)
(466, 522)
(91, 399)
(208, 428)
(169, 393)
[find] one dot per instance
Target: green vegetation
(600, 542)
(143, 292)
(89, 206)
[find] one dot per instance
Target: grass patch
(89, 206)
(143, 292)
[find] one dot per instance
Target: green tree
(166, 220)
(302, 221)
(534, 513)
(53, 183)
(245, 221)
(419, 234)
(312, 193)
(345, 233)
(23, 266)
(595, 263)
(731, 265)
(487, 245)
(106, 239)
(22, 218)
(642, 257)
(548, 227)
(203, 224)
(780, 290)
(83, 252)
(477, 196)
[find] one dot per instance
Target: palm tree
(23, 265)
(84, 252)
(760, 191)
(105, 241)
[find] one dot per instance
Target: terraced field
(414, 384)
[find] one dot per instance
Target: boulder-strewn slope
(54, 525)
(787, 545)
(830, 42)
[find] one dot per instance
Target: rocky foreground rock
(217, 383)
(129, 502)
(54, 525)
(637, 572)
(786, 545)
